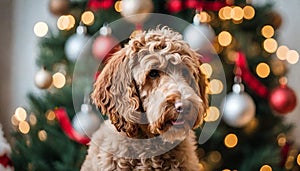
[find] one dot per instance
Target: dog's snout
(179, 106)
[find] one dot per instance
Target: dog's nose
(179, 106)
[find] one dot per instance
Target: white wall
(25, 46)
(5, 59)
(21, 52)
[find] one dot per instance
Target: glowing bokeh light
(230, 140)
(267, 31)
(281, 140)
(215, 86)
(42, 134)
(266, 168)
(292, 56)
(206, 69)
(59, 80)
(50, 115)
(237, 13)
(118, 6)
(32, 119)
(249, 12)
(20, 114)
(282, 52)
(224, 38)
(24, 127)
(65, 22)
(14, 120)
(263, 70)
(40, 29)
(270, 45)
(227, 13)
(204, 17)
(213, 114)
(88, 18)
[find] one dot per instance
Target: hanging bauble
(105, 44)
(86, 122)
(100, 4)
(283, 99)
(76, 43)
(59, 7)
(134, 7)
(238, 107)
(199, 35)
(43, 79)
(275, 18)
(174, 6)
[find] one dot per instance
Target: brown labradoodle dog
(154, 93)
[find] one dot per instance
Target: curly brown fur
(153, 87)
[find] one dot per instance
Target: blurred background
(19, 49)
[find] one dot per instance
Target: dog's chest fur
(109, 148)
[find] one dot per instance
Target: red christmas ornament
(191, 3)
(104, 46)
(283, 99)
(100, 4)
(175, 6)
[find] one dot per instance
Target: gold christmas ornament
(59, 7)
(43, 79)
(135, 7)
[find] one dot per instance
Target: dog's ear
(202, 84)
(115, 94)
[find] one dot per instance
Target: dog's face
(154, 81)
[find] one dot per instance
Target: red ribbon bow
(252, 82)
(67, 127)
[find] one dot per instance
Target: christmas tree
(251, 135)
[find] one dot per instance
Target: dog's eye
(185, 73)
(153, 73)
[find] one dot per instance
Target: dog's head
(155, 81)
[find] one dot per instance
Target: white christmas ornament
(198, 35)
(238, 107)
(76, 43)
(134, 7)
(86, 122)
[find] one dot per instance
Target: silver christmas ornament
(199, 35)
(43, 79)
(76, 43)
(86, 122)
(238, 107)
